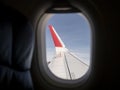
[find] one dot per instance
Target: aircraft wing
(65, 65)
(68, 66)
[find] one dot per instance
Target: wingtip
(50, 26)
(56, 38)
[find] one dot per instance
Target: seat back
(16, 49)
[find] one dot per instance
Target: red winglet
(56, 40)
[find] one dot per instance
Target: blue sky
(74, 30)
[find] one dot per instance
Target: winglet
(57, 41)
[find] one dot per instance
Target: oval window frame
(47, 75)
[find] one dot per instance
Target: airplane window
(68, 45)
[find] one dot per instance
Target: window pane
(68, 45)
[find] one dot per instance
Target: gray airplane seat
(16, 49)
